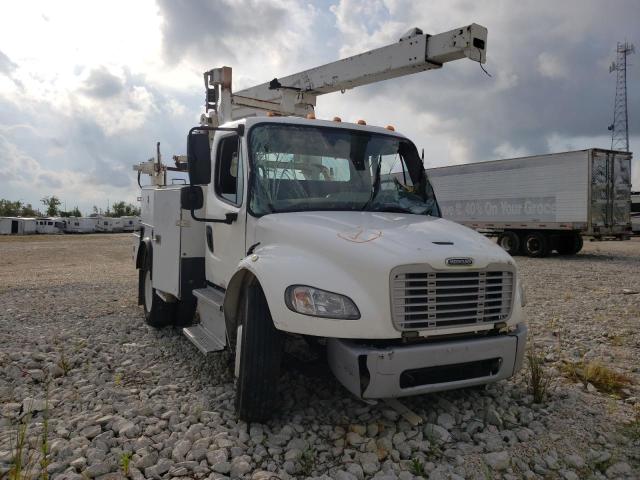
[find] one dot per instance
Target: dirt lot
(121, 399)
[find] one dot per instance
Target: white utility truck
(540, 203)
(286, 229)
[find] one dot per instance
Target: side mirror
(191, 198)
(199, 157)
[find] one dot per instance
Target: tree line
(51, 208)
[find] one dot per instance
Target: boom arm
(296, 94)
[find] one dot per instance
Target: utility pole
(620, 126)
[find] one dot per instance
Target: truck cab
(331, 231)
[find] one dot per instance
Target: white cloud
(552, 66)
(365, 24)
(506, 150)
(22, 173)
(87, 89)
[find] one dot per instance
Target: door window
(228, 171)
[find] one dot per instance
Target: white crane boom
(296, 94)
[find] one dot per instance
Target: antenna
(620, 126)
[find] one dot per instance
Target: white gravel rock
(437, 433)
(130, 388)
(446, 421)
(498, 461)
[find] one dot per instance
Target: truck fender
(145, 250)
(233, 293)
(266, 266)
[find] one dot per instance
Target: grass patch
(307, 461)
(63, 363)
(125, 462)
(593, 372)
(538, 379)
(617, 340)
(632, 429)
(416, 467)
(25, 459)
(44, 444)
(22, 461)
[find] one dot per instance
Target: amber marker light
(337, 119)
(390, 127)
(311, 116)
(361, 122)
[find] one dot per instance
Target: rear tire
(157, 313)
(570, 244)
(260, 357)
(579, 243)
(510, 242)
(536, 244)
(185, 311)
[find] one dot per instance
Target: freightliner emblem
(459, 261)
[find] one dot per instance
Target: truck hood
(385, 239)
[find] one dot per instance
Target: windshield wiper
(376, 185)
(392, 209)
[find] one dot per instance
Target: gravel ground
(117, 398)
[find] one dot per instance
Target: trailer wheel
(536, 244)
(570, 244)
(510, 242)
(157, 313)
(260, 353)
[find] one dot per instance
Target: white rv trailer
(17, 226)
(540, 203)
(81, 224)
(130, 223)
(50, 225)
(109, 224)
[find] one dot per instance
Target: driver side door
(225, 243)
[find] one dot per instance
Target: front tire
(260, 353)
(157, 313)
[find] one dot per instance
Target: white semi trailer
(541, 203)
(286, 228)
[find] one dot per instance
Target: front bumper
(399, 371)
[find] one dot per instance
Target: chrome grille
(423, 299)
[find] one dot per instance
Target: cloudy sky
(87, 87)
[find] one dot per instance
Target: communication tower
(620, 126)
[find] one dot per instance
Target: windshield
(302, 168)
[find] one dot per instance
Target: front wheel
(259, 349)
(157, 313)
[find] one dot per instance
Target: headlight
(320, 303)
(523, 295)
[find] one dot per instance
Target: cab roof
(291, 120)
